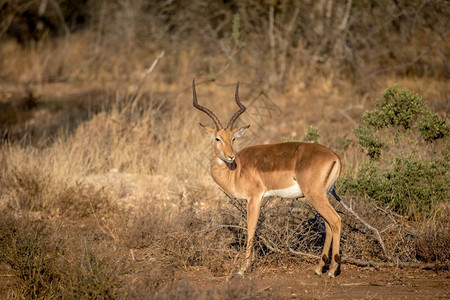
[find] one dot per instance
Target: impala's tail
(331, 179)
(333, 192)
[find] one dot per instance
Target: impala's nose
(231, 158)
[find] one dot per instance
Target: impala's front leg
(253, 206)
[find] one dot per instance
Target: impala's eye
(233, 139)
(217, 140)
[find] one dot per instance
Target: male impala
(288, 170)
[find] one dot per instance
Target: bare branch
(346, 16)
(374, 230)
(144, 77)
(304, 254)
(377, 264)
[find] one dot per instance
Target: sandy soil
(300, 282)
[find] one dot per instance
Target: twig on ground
(304, 254)
(377, 264)
(375, 231)
(272, 247)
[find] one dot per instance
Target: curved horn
(204, 109)
(239, 112)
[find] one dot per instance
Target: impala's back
(282, 168)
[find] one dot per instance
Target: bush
(401, 113)
(407, 168)
(409, 186)
(312, 134)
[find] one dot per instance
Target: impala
(287, 170)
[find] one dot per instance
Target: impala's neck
(224, 174)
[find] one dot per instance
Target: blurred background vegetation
(276, 43)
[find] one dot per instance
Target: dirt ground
(300, 282)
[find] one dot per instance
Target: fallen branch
(375, 231)
(272, 247)
(304, 254)
(377, 264)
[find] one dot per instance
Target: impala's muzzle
(229, 159)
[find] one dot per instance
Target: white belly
(290, 192)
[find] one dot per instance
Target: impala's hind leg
(333, 230)
(326, 249)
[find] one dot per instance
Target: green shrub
(399, 112)
(403, 169)
(312, 134)
(409, 186)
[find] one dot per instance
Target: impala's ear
(240, 131)
(208, 129)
